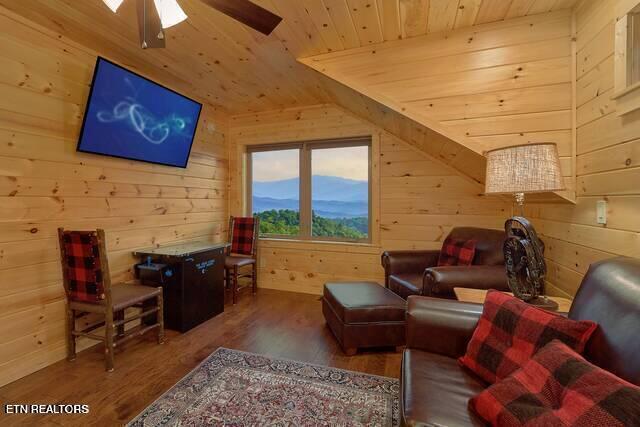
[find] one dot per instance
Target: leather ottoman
(364, 314)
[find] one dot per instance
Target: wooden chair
(87, 283)
(242, 253)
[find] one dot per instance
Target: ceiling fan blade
(248, 13)
(149, 25)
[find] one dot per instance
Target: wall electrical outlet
(601, 211)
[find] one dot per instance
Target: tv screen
(131, 117)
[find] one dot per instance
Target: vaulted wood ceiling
(237, 70)
(484, 87)
(228, 65)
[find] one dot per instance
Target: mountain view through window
(340, 192)
(276, 191)
(338, 178)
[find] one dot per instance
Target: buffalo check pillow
(557, 387)
(457, 252)
(510, 332)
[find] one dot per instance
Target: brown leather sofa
(416, 272)
(435, 389)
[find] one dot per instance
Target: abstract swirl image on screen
(131, 117)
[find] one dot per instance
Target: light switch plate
(601, 212)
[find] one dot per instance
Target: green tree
(286, 222)
(283, 222)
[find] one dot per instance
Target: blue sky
(349, 162)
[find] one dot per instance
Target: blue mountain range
(324, 188)
(333, 197)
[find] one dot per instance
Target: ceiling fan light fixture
(170, 12)
(113, 4)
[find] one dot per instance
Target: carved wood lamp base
(544, 303)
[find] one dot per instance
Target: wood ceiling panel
(467, 13)
(414, 15)
(442, 15)
(451, 94)
(493, 10)
(341, 19)
(300, 25)
(389, 12)
(520, 8)
(209, 56)
(231, 51)
(220, 61)
(320, 16)
(366, 21)
(542, 6)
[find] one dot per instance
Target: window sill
(319, 242)
(627, 100)
(628, 89)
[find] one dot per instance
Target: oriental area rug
(231, 387)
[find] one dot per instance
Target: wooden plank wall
(485, 87)
(44, 184)
(608, 162)
(420, 200)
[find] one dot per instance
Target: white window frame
(305, 173)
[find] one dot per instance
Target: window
(633, 48)
(312, 190)
(627, 61)
(275, 184)
(340, 192)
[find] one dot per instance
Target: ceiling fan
(154, 16)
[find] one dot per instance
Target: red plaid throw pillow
(242, 235)
(457, 252)
(559, 388)
(510, 332)
(83, 266)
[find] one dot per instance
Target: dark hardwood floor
(273, 323)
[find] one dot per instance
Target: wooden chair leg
(160, 318)
(119, 315)
(108, 343)
(71, 339)
(254, 277)
(234, 284)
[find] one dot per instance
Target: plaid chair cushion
(510, 332)
(457, 252)
(82, 266)
(242, 235)
(557, 387)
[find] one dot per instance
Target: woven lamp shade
(529, 168)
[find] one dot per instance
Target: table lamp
(521, 169)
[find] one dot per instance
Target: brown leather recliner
(416, 272)
(435, 389)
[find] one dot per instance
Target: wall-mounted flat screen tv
(131, 117)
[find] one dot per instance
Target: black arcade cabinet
(192, 278)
